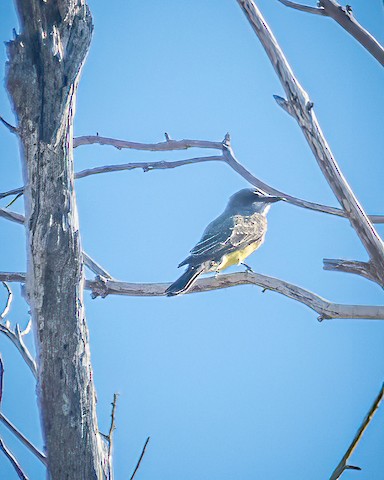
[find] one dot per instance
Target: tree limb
(301, 108)
(303, 8)
(166, 146)
(227, 157)
(23, 439)
(326, 309)
(342, 466)
(13, 460)
(140, 459)
(350, 266)
(343, 16)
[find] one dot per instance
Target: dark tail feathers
(182, 284)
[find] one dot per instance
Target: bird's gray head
(248, 200)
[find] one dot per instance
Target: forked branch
(299, 105)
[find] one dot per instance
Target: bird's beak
(273, 199)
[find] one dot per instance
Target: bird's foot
(247, 268)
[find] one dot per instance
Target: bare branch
(15, 191)
(8, 303)
(343, 16)
(12, 216)
(146, 166)
(23, 439)
(304, 8)
(140, 459)
(95, 267)
(325, 308)
(302, 110)
(111, 430)
(342, 466)
(13, 460)
(1, 379)
(228, 157)
(154, 147)
(10, 127)
(16, 338)
(350, 266)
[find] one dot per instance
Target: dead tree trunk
(45, 61)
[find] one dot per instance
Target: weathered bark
(45, 61)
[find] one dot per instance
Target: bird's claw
(247, 268)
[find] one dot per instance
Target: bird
(229, 239)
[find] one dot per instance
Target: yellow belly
(237, 257)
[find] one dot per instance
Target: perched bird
(229, 239)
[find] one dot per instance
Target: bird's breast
(238, 256)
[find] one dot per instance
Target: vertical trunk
(43, 70)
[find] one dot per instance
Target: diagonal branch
(13, 460)
(342, 466)
(301, 108)
(8, 302)
(16, 338)
(304, 8)
(24, 440)
(344, 17)
(140, 458)
(95, 267)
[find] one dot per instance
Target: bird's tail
(182, 284)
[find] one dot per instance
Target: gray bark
(45, 61)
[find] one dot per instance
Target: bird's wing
(226, 234)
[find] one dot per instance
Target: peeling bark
(45, 61)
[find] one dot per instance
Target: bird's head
(251, 200)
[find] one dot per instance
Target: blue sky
(233, 383)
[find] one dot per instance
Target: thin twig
(342, 466)
(140, 459)
(8, 303)
(23, 439)
(10, 127)
(300, 106)
(325, 309)
(13, 460)
(110, 434)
